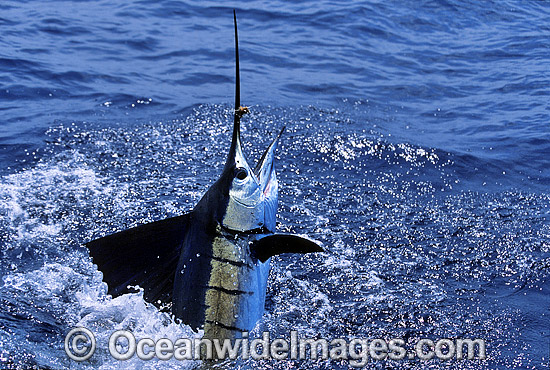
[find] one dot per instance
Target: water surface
(416, 150)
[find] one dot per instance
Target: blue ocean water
(417, 150)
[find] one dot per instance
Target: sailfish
(209, 266)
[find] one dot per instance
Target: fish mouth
(265, 171)
(260, 185)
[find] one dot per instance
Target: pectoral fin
(274, 244)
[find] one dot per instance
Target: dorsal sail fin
(145, 255)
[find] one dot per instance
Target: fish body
(209, 266)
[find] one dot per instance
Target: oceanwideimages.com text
(80, 344)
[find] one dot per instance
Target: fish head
(251, 201)
(243, 199)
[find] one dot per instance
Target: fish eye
(241, 173)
